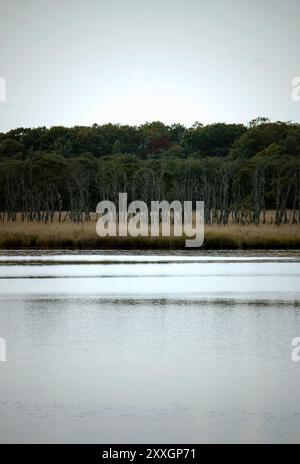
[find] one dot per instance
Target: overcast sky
(70, 62)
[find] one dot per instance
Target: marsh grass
(83, 236)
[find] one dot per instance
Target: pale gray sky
(68, 62)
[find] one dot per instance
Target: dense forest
(239, 171)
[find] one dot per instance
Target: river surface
(149, 348)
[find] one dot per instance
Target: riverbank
(16, 235)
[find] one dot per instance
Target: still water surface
(161, 348)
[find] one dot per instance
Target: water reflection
(197, 352)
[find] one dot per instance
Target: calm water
(173, 348)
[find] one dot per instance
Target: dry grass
(68, 235)
(253, 237)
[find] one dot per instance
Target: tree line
(239, 171)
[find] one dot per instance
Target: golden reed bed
(55, 235)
